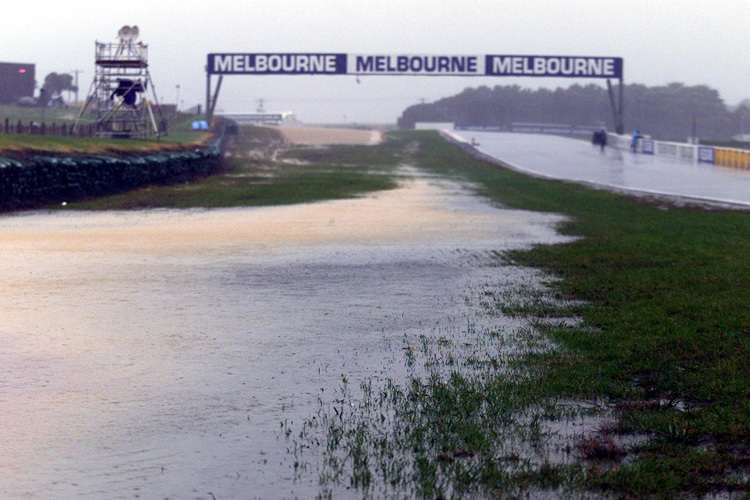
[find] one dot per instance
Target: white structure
(122, 82)
(435, 126)
(285, 118)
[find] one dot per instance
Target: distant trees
(669, 112)
(55, 83)
(740, 119)
(665, 112)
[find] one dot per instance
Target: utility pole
(76, 72)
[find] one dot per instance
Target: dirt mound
(325, 135)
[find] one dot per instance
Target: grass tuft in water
(646, 331)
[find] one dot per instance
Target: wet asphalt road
(580, 161)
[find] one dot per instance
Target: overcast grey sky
(661, 41)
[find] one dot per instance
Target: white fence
(730, 157)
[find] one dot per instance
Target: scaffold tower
(118, 98)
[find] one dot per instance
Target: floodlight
(125, 34)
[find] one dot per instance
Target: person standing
(634, 141)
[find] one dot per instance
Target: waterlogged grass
(255, 176)
(347, 155)
(625, 377)
(657, 358)
(468, 422)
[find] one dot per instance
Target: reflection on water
(154, 354)
(579, 161)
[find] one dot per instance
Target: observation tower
(118, 96)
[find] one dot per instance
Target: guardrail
(52, 129)
(716, 155)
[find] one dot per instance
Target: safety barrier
(732, 157)
(47, 180)
(728, 157)
(52, 129)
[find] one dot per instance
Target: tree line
(670, 112)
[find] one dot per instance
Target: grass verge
(661, 356)
(262, 171)
(24, 146)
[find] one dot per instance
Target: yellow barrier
(737, 158)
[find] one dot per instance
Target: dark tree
(55, 83)
(666, 112)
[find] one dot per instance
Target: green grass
(663, 349)
(15, 145)
(257, 180)
(179, 134)
(667, 293)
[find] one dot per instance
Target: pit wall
(727, 157)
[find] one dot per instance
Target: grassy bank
(23, 146)
(659, 362)
(665, 339)
(255, 177)
(20, 146)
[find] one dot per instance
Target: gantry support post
(620, 118)
(211, 100)
(617, 113)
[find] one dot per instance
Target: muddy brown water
(155, 354)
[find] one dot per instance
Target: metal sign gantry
(415, 65)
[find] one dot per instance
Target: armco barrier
(48, 180)
(728, 157)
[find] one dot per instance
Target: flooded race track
(578, 161)
(155, 354)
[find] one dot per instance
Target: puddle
(155, 354)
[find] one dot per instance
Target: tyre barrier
(45, 180)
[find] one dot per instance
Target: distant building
(286, 118)
(434, 126)
(17, 80)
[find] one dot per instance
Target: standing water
(155, 354)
